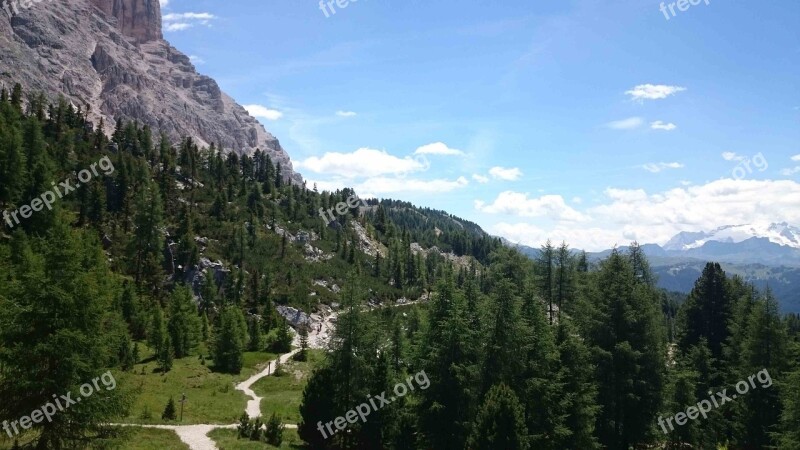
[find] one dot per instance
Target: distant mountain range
(763, 254)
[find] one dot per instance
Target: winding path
(196, 436)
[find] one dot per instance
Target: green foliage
(283, 339)
(273, 434)
(230, 341)
(184, 323)
(500, 423)
(54, 333)
(170, 413)
(626, 332)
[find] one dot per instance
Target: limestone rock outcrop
(109, 56)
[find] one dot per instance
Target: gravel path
(196, 436)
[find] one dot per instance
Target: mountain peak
(109, 57)
(778, 233)
(136, 19)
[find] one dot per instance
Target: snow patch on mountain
(777, 233)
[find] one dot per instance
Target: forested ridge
(551, 353)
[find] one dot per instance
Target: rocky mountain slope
(110, 56)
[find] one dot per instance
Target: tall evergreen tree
(500, 423)
(626, 332)
(62, 295)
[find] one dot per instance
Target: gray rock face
(138, 19)
(109, 56)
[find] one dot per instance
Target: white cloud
(171, 17)
(177, 26)
(634, 214)
(790, 172)
(437, 148)
(196, 59)
(626, 124)
(658, 167)
(183, 21)
(263, 112)
(480, 178)
(502, 173)
(519, 204)
(659, 125)
(364, 162)
(383, 185)
(164, 3)
(653, 91)
(346, 113)
(731, 156)
(591, 239)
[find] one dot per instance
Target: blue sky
(595, 122)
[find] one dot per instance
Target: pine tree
(170, 412)
(59, 324)
(187, 248)
(789, 439)
(184, 323)
(273, 434)
(283, 339)
(230, 341)
(542, 395)
(255, 337)
(303, 333)
(447, 406)
(707, 311)
(148, 239)
(764, 352)
(626, 332)
(545, 262)
(165, 355)
(579, 389)
(317, 406)
(500, 423)
(157, 332)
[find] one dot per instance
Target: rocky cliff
(109, 55)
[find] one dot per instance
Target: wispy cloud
(263, 112)
(626, 124)
(346, 113)
(659, 125)
(196, 60)
(660, 166)
(792, 170)
(521, 205)
(653, 91)
(502, 173)
(184, 21)
(731, 156)
(364, 162)
(438, 148)
(480, 178)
